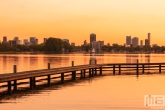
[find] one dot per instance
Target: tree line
(52, 45)
(119, 48)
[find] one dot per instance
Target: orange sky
(111, 20)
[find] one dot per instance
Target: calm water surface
(101, 93)
(26, 62)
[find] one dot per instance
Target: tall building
(25, 42)
(73, 44)
(141, 43)
(16, 39)
(101, 43)
(146, 42)
(97, 45)
(4, 39)
(36, 42)
(135, 41)
(128, 40)
(92, 38)
(85, 43)
(149, 39)
(66, 40)
(12, 43)
(32, 40)
(45, 39)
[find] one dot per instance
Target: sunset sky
(110, 20)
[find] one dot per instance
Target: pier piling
(113, 69)
(9, 87)
(160, 69)
(49, 77)
(15, 81)
(137, 68)
(100, 70)
(143, 68)
(119, 69)
(72, 63)
(84, 73)
(31, 83)
(62, 77)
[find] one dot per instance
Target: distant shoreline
(81, 53)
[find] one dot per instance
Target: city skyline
(111, 20)
(134, 41)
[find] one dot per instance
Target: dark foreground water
(102, 93)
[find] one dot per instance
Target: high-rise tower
(149, 39)
(92, 38)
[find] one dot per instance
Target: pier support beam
(72, 63)
(49, 77)
(31, 83)
(92, 72)
(119, 69)
(114, 70)
(81, 74)
(73, 75)
(137, 68)
(84, 73)
(49, 80)
(160, 69)
(34, 81)
(143, 68)
(15, 81)
(95, 71)
(100, 70)
(89, 72)
(9, 87)
(62, 77)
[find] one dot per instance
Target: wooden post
(100, 70)
(9, 87)
(62, 77)
(90, 62)
(92, 72)
(89, 72)
(84, 73)
(72, 63)
(95, 61)
(137, 68)
(95, 71)
(81, 74)
(73, 75)
(48, 65)
(114, 70)
(15, 81)
(160, 69)
(119, 69)
(31, 83)
(49, 77)
(34, 81)
(49, 80)
(143, 68)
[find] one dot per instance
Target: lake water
(124, 92)
(26, 62)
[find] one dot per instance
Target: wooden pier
(11, 81)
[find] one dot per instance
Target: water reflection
(147, 58)
(132, 58)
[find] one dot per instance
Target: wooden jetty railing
(11, 80)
